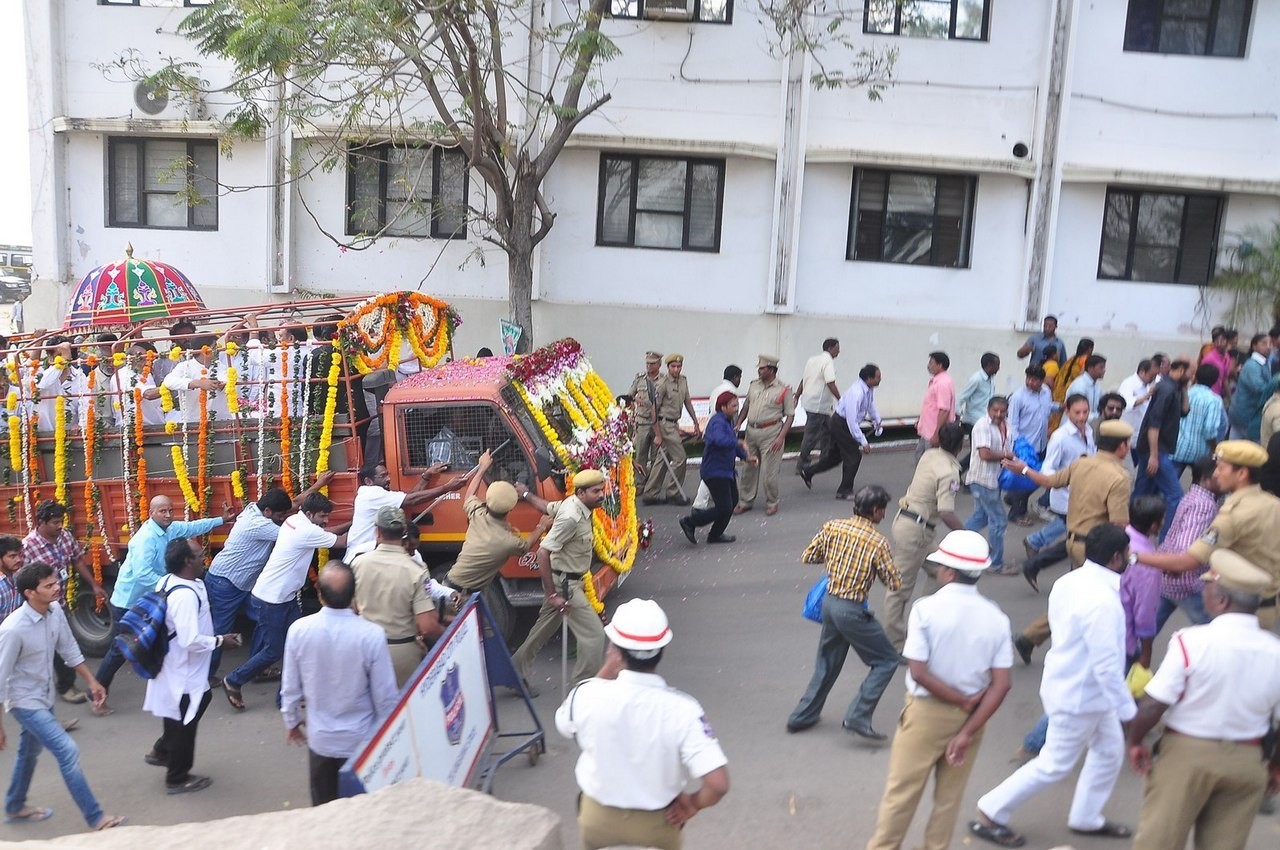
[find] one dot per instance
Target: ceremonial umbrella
(129, 291)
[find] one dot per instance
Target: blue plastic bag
(813, 602)
(1012, 482)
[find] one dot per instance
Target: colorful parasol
(129, 291)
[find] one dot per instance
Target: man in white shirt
(1084, 692)
(196, 374)
(338, 666)
(1136, 391)
(848, 444)
(971, 401)
(1218, 692)
(642, 742)
(731, 382)
(129, 376)
(375, 492)
(66, 380)
(1073, 440)
(1089, 384)
(958, 658)
(179, 694)
(817, 393)
(273, 603)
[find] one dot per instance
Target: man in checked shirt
(856, 554)
(1192, 519)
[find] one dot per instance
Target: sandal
(771, 510)
(29, 816)
(1109, 829)
(266, 676)
(996, 834)
(194, 783)
(234, 696)
(109, 822)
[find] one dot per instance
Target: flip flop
(110, 822)
(1109, 829)
(996, 834)
(195, 783)
(234, 696)
(771, 510)
(29, 816)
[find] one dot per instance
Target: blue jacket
(1255, 386)
(721, 448)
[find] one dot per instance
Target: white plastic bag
(702, 501)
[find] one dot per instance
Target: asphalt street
(741, 648)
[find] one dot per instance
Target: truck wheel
(504, 616)
(91, 627)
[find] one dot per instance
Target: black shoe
(1029, 549)
(800, 727)
(723, 538)
(678, 500)
(1031, 574)
(864, 730)
(807, 479)
(155, 759)
(1024, 648)
(687, 527)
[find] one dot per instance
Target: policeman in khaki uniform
(673, 398)
(768, 411)
(644, 403)
(1246, 523)
(930, 499)
(1218, 692)
(491, 541)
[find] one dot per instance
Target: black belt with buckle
(917, 519)
(669, 419)
(574, 576)
(399, 641)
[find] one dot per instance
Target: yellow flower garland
(589, 590)
(60, 450)
(237, 484)
(584, 407)
(15, 433)
(184, 481)
(166, 399)
(541, 419)
(326, 428)
(233, 397)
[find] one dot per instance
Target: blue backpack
(141, 635)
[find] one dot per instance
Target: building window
(1193, 27)
(411, 190)
(703, 11)
(910, 217)
(166, 183)
(1159, 236)
(660, 202)
(956, 19)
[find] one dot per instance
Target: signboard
(510, 333)
(444, 721)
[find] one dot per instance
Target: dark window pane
(204, 181)
(1184, 36)
(704, 202)
(451, 205)
(409, 174)
(124, 183)
(1154, 264)
(950, 224)
(1233, 26)
(1142, 30)
(1188, 8)
(1199, 240)
(868, 236)
(166, 166)
(364, 207)
(662, 185)
(1159, 219)
(908, 234)
(1115, 235)
(615, 214)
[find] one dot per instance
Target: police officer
(1246, 523)
(644, 404)
(1217, 692)
(768, 411)
(673, 398)
(930, 499)
(641, 741)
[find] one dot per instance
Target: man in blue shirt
(144, 567)
(1037, 344)
(1255, 386)
(1029, 410)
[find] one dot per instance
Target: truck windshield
(456, 434)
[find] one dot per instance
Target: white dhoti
(1098, 736)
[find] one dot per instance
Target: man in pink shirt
(1220, 356)
(939, 405)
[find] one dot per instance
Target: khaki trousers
(1038, 632)
(1212, 786)
(659, 484)
(606, 826)
(759, 444)
(925, 728)
(912, 541)
(587, 630)
(405, 658)
(646, 457)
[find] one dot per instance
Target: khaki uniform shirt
(641, 400)
(1100, 491)
(672, 394)
(570, 540)
(1270, 419)
(769, 403)
(390, 590)
(1246, 524)
(489, 543)
(934, 487)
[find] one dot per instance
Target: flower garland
(202, 449)
(15, 432)
(233, 396)
(286, 437)
(92, 501)
(60, 450)
(262, 432)
(166, 399)
(29, 472)
(589, 591)
(326, 428)
(373, 334)
(144, 505)
(184, 480)
(237, 485)
(126, 447)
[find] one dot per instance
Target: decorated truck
(305, 387)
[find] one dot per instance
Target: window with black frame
(407, 190)
(961, 20)
(457, 434)
(1160, 237)
(911, 217)
(1188, 27)
(162, 183)
(698, 11)
(660, 202)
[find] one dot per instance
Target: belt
(916, 518)
(1269, 603)
(1072, 537)
(1248, 742)
(465, 591)
(574, 576)
(669, 419)
(399, 641)
(768, 424)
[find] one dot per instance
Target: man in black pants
(848, 443)
(719, 473)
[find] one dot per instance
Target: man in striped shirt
(856, 554)
(1195, 514)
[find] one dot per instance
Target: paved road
(740, 647)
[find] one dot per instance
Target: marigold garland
(286, 438)
(589, 590)
(325, 442)
(60, 450)
(15, 433)
(373, 334)
(202, 449)
(180, 472)
(237, 484)
(143, 503)
(91, 501)
(233, 396)
(166, 399)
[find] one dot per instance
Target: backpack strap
(170, 589)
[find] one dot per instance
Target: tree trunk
(520, 246)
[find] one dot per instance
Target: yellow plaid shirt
(855, 552)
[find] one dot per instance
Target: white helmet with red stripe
(963, 550)
(640, 627)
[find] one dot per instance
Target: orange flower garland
(90, 502)
(286, 438)
(397, 317)
(202, 449)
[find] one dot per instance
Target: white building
(1085, 159)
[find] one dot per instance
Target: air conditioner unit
(669, 10)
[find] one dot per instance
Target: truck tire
(504, 616)
(91, 627)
